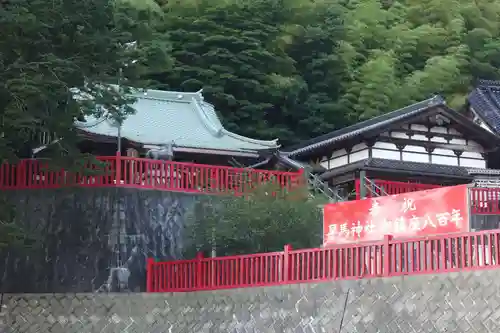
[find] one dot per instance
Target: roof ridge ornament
(199, 95)
(437, 99)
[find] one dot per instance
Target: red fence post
(357, 186)
(118, 168)
(286, 263)
(149, 275)
(199, 270)
(21, 174)
(302, 177)
(387, 255)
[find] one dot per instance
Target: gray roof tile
(184, 119)
(417, 167)
(435, 103)
(485, 100)
(365, 126)
(413, 168)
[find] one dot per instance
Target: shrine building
(483, 105)
(146, 181)
(418, 147)
(179, 126)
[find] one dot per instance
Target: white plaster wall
(418, 127)
(439, 129)
(458, 142)
(412, 153)
(449, 157)
(358, 147)
(338, 153)
(386, 154)
(378, 151)
(336, 162)
(359, 155)
(415, 154)
(469, 163)
(445, 160)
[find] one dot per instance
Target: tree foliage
(287, 69)
(260, 222)
(57, 61)
(294, 69)
(50, 52)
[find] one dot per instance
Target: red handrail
(145, 173)
(390, 257)
(393, 187)
(485, 201)
(382, 187)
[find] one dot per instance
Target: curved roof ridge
(163, 116)
(488, 102)
(220, 130)
(216, 130)
(270, 143)
(168, 94)
(151, 94)
(366, 125)
(210, 112)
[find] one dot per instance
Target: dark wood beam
(341, 179)
(427, 134)
(429, 144)
(405, 174)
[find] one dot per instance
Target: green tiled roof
(178, 118)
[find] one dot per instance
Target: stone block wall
(93, 239)
(466, 302)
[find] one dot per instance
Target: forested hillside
(294, 69)
(287, 69)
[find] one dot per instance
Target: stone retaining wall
(459, 302)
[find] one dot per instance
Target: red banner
(423, 213)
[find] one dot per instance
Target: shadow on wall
(93, 240)
(484, 222)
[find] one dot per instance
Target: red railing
(389, 257)
(485, 201)
(378, 187)
(145, 173)
(392, 187)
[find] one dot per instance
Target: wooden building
(171, 125)
(426, 143)
(483, 107)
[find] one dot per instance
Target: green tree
(269, 68)
(259, 222)
(312, 35)
(227, 50)
(56, 64)
(404, 51)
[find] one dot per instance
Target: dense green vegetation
(287, 69)
(290, 69)
(294, 69)
(260, 222)
(48, 51)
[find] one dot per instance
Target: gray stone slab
(464, 302)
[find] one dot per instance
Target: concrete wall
(459, 302)
(93, 239)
